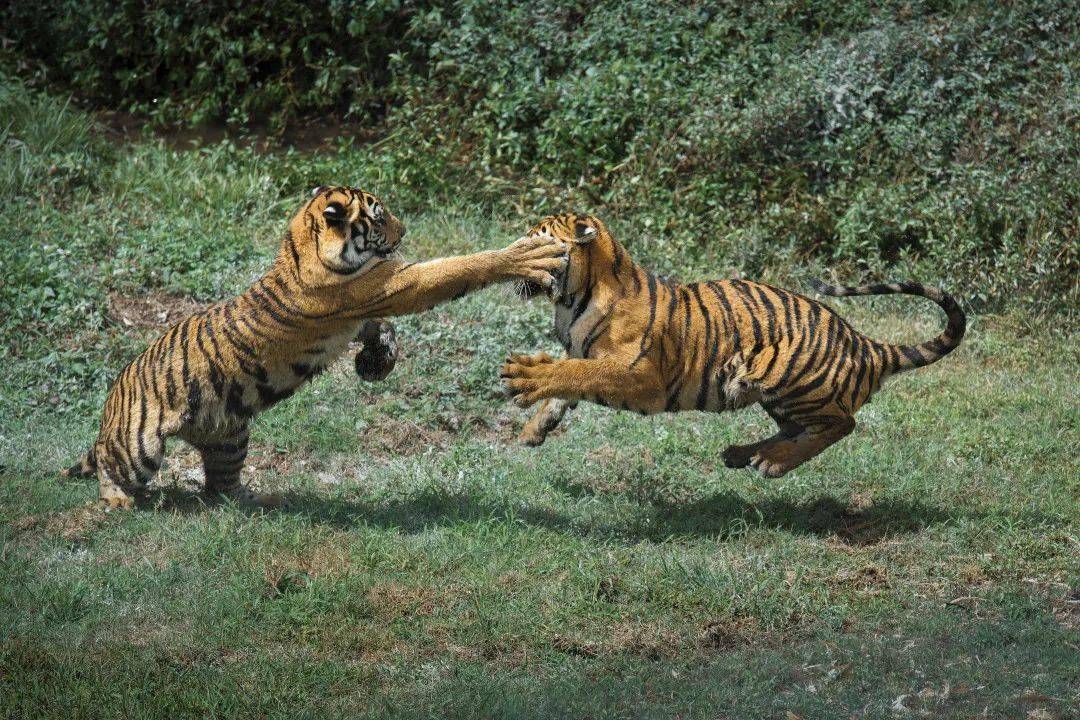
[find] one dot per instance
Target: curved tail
(906, 357)
(86, 467)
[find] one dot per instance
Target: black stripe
(728, 313)
(646, 337)
(864, 361)
(770, 312)
(793, 360)
(265, 304)
(234, 403)
(580, 306)
(595, 332)
(750, 304)
(291, 242)
(710, 348)
(616, 264)
(194, 402)
(185, 370)
(269, 396)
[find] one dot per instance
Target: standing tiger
(640, 343)
(207, 376)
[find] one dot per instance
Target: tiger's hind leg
(223, 459)
(740, 386)
(739, 456)
(544, 420)
(780, 456)
(124, 468)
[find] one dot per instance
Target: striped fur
(206, 377)
(638, 342)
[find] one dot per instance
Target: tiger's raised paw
(113, 497)
(377, 357)
(537, 259)
(541, 358)
(737, 456)
(526, 378)
(530, 437)
(117, 502)
(773, 460)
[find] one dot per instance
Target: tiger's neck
(609, 274)
(283, 316)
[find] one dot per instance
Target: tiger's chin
(362, 263)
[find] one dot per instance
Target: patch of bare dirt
(651, 641)
(152, 311)
(392, 436)
(24, 524)
(570, 645)
(729, 633)
(869, 579)
(287, 571)
(394, 600)
(310, 136)
(1064, 599)
(74, 525)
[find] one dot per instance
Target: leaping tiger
(636, 342)
(209, 375)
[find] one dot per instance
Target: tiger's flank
(336, 272)
(637, 342)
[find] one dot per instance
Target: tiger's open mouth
(528, 289)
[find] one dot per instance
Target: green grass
(926, 566)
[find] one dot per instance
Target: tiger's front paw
(527, 377)
(378, 356)
(537, 258)
(113, 497)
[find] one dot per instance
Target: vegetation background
(150, 153)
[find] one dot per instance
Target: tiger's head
(339, 232)
(580, 233)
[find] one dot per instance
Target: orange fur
(206, 377)
(638, 342)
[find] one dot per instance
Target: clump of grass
(45, 143)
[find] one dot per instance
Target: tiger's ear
(584, 233)
(316, 191)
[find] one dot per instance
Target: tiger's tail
(86, 467)
(899, 358)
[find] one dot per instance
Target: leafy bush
(221, 60)
(940, 136)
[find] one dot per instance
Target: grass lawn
(927, 566)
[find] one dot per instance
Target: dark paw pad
(378, 355)
(736, 456)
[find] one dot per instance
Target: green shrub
(219, 60)
(940, 136)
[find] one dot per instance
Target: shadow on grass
(719, 516)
